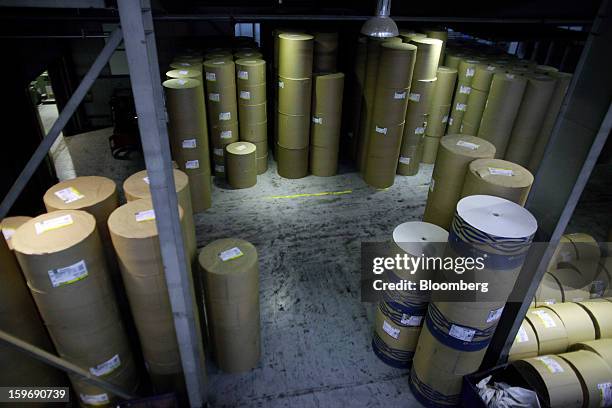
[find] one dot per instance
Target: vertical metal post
(579, 134)
(137, 25)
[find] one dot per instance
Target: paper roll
(186, 65)
(253, 132)
(549, 291)
(442, 35)
(219, 74)
(292, 163)
(594, 375)
(430, 149)
(576, 320)
(295, 53)
(551, 333)
(393, 342)
(294, 96)
(293, 131)
(601, 347)
(525, 343)
(599, 310)
(428, 56)
(241, 164)
(246, 54)
(323, 161)
(9, 225)
(441, 99)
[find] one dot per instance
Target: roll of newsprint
(552, 335)
(574, 287)
(134, 234)
(231, 272)
(62, 259)
(457, 333)
(525, 343)
(400, 314)
(600, 311)
(595, 377)
(554, 380)
(602, 347)
(576, 320)
(9, 225)
(549, 291)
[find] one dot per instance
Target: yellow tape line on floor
(324, 193)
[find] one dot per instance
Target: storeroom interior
(194, 195)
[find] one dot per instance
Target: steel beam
(579, 134)
(137, 26)
(67, 366)
(73, 103)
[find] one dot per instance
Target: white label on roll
(553, 366)
(577, 299)
(432, 184)
(468, 145)
(465, 89)
(240, 148)
(192, 164)
(550, 302)
(219, 169)
(461, 333)
(230, 254)
(147, 215)
(461, 107)
(445, 119)
(53, 223)
(494, 315)
(390, 330)
(522, 336)
(218, 152)
(213, 96)
(106, 367)
(184, 64)
(146, 180)
(399, 95)
(381, 130)
(225, 115)
(411, 321)
(500, 172)
(69, 195)
(490, 68)
(461, 128)
(181, 81)
(97, 399)
(414, 97)
(317, 120)
(546, 319)
(243, 74)
(281, 84)
(450, 121)
(8, 233)
(605, 391)
(190, 144)
(419, 131)
(183, 72)
(226, 134)
(69, 274)
(210, 76)
(245, 95)
(219, 62)
(404, 160)
(469, 72)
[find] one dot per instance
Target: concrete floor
(316, 332)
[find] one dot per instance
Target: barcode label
(461, 107)
(469, 72)
(414, 97)
(419, 131)
(546, 319)
(494, 315)
(68, 274)
(465, 89)
(468, 145)
(605, 391)
(225, 116)
(220, 169)
(226, 134)
(106, 367)
(245, 95)
(210, 76)
(190, 144)
(490, 68)
(69, 195)
(53, 223)
(399, 95)
(183, 72)
(522, 336)
(411, 321)
(281, 84)
(230, 254)
(381, 130)
(181, 81)
(192, 164)
(317, 120)
(552, 366)
(147, 215)
(461, 333)
(218, 152)
(215, 97)
(510, 76)
(500, 172)
(97, 399)
(390, 330)
(404, 160)
(243, 75)
(146, 180)
(445, 119)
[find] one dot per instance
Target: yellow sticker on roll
(53, 223)
(69, 195)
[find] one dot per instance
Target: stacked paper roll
(477, 99)
(601, 347)
(325, 52)
(439, 109)
(421, 92)
(251, 85)
(222, 107)
(530, 118)
(561, 86)
(599, 310)
(455, 154)
(247, 54)
(456, 333)
(498, 178)
(391, 96)
(195, 65)
(578, 325)
(525, 343)
(135, 238)
(549, 291)
(326, 121)
(62, 259)
(9, 225)
(294, 98)
(452, 59)
(595, 377)
(187, 128)
(500, 112)
(399, 316)
(231, 272)
(357, 95)
(551, 333)
(442, 35)
(466, 72)
(241, 164)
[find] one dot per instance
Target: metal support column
(579, 134)
(139, 40)
(73, 103)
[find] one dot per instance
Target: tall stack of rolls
(222, 107)
(326, 120)
(477, 99)
(439, 110)
(465, 74)
(421, 91)
(252, 107)
(357, 95)
(187, 128)
(294, 98)
(387, 124)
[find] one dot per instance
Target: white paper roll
(417, 237)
